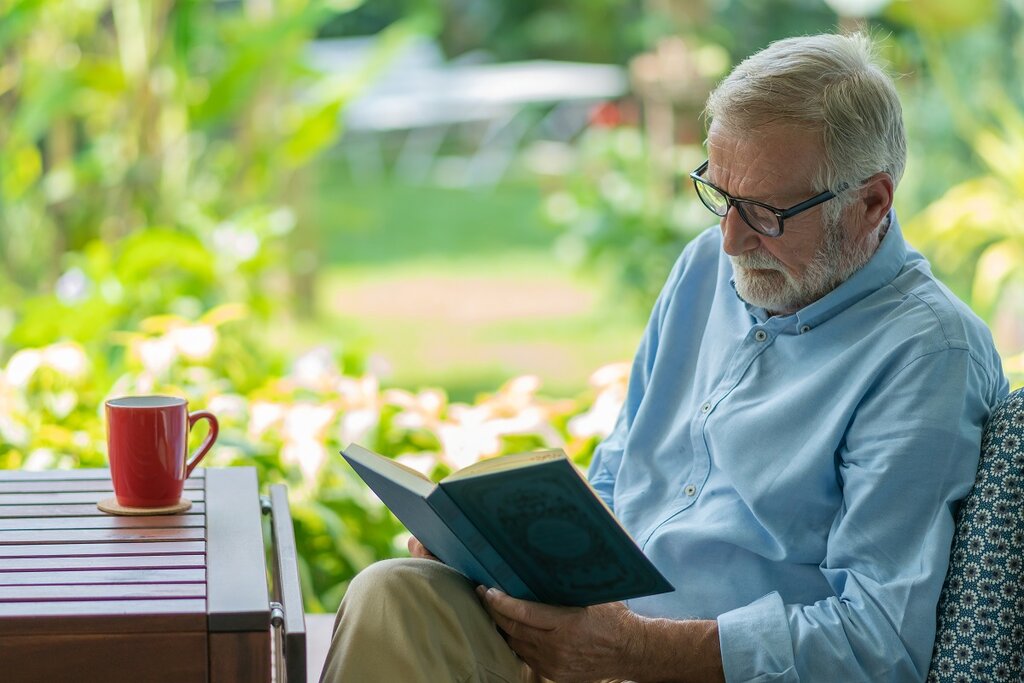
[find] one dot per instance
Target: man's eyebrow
(774, 199)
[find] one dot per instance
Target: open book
(529, 524)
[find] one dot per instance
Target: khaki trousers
(418, 621)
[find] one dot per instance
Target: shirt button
(760, 335)
(706, 408)
(805, 329)
(690, 490)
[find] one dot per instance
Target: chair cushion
(981, 610)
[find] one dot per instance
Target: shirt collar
(881, 268)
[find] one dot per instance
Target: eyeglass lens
(758, 217)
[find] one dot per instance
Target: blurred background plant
(190, 204)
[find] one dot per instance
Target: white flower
(361, 392)
(281, 221)
(72, 287)
(613, 373)
(306, 421)
(61, 403)
(310, 455)
(235, 242)
(22, 365)
(600, 419)
(464, 446)
(40, 459)
(227, 405)
(612, 382)
(263, 415)
(157, 355)
(195, 342)
(67, 358)
(315, 368)
(357, 424)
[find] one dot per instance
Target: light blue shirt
(795, 477)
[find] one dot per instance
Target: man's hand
(568, 643)
(575, 644)
(417, 549)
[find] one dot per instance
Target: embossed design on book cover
(563, 547)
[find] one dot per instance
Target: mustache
(757, 260)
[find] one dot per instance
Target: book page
(507, 462)
(400, 474)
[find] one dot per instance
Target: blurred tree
(507, 30)
(969, 163)
(150, 149)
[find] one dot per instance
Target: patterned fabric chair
(980, 634)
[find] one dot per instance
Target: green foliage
(150, 152)
(624, 210)
(289, 423)
(970, 231)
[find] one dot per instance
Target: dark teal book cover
(529, 524)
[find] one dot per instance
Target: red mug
(147, 443)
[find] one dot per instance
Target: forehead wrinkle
(753, 189)
(773, 185)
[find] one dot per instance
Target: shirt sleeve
(909, 455)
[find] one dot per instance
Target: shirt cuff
(755, 643)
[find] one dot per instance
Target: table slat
(102, 592)
(104, 522)
(74, 497)
(100, 536)
(65, 475)
(102, 576)
(91, 549)
(39, 564)
(102, 616)
(61, 485)
(72, 510)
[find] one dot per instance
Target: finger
(535, 614)
(507, 626)
(417, 549)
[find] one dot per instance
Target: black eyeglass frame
(780, 214)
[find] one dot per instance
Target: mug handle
(210, 438)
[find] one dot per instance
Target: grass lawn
(457, 288)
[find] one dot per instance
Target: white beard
(762, 280)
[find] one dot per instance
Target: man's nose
(737, 237)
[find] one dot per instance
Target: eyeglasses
(761, 217)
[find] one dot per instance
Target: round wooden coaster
(111, 506)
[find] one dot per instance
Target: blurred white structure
(420, 96)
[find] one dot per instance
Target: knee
(385, 576)
(390, 581)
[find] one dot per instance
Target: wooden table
(87, 596)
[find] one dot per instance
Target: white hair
(832, 85)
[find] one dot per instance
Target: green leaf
(994, 268)
(941, 16)
(21, 171)
(163, 252)
(314, 132)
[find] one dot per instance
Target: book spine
(478, 545)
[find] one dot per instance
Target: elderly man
(803, 416)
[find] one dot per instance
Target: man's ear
(874, 202)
